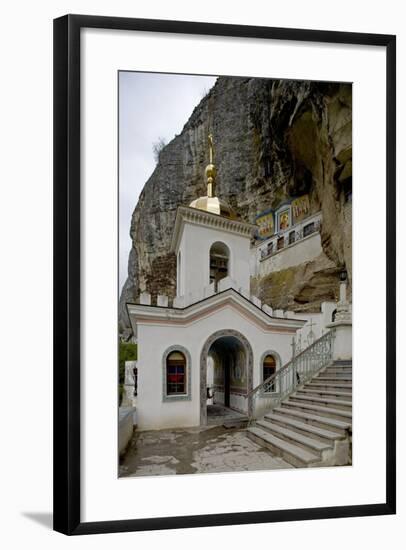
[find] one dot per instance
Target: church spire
(211, 203)
(210, 169)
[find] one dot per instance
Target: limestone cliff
(274, 139)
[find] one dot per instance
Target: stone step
(327, 401)
(329, 412)
(338, 364)
(324, 422)
(304, 428)
(335, 375)
(341, 370)
(236, 422)
(345, 396)
(306, 442)
(295, 455)
(329, 387)
(330, 380)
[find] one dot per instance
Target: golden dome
(211, 203)
(215, 206)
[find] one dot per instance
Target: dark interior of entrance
(226, 377)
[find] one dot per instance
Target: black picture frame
(67, 287)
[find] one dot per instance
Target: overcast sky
(151, 106)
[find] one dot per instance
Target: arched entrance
(232, 358)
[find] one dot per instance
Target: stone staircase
(313, 426)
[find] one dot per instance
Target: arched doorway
(232, 359)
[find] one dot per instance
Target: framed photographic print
(224, 303)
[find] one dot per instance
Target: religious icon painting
(235, 339)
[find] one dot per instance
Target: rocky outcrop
(274, 139)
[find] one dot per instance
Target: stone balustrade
(180, 302)
(162, 300)
(256, 301)
(226, 283)
(145, 298)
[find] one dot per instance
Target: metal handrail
(292, 364)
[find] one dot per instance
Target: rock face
(274, 139)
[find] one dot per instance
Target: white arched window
(270, 363)
(219, 262)
(176, 374)
(269, 369)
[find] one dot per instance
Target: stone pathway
(195, 450)
(218, 414)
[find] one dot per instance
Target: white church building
(215, 342)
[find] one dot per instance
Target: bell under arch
(219, 263)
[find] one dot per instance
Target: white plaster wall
(219, 397)
(210, 376)
(238, 402)
(195, 246)
(180, 275)
(320, 322)
(327, 309)
(316, 327)
(302, 251)
(154, 339)
(127, 420)
(263, 404)
(343, 341)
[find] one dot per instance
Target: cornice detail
(200, 217)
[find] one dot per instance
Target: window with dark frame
(269, 369)
(292, 235)
(309, 229)
(176, 373)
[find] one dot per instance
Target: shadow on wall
(42, 518)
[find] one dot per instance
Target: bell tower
(212, 246)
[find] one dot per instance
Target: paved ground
(217, 414)
(195, 450)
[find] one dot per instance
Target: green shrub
(127, 352)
